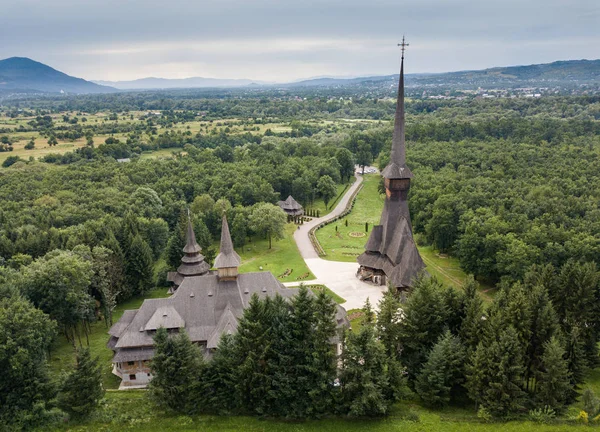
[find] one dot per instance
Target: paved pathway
(338, 276)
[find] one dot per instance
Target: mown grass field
(283, 255)
(343, 242)
(133, 411)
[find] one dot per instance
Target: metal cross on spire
(403, 46)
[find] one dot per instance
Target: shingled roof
(227, 255)
(397, 169)
(192, 262)
(291, 206)
(391, 247)
(205, 306)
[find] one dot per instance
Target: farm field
(16, 130)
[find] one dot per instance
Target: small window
(132, 377)
(130, 363)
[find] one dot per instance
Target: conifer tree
(139, 265)
(219, 379)
(324, 359)
(576, 361)
(389, 323)
(496, 373)
(302, 347)
(423, 323)
(82, 389)
(367, 389)
(252, 342)
(284, 379)
(554, 385)
(544, 325)
(176, 242)
(443, 372)
(177, 367)
(472, 323)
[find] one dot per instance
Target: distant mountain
(23, 75)
(165, 83)
(571, 71)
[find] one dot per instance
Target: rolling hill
(165, 83)
(23, 75)
(559, 72)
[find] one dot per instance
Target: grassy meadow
(132, 410)
(283, 256)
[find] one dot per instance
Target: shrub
(483, 414)
(544, 415)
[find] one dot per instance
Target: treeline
(30, 397)
(529, 351)
(281, 362)
(45, 208)
(501, 205)
(64, 291)
(525, 354)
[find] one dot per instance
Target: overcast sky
(281, 40)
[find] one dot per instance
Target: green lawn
(340, 245)
(320, 205)
(345, 243)
(161, 154)
(283, 255)
(318, 288)
(133, 411)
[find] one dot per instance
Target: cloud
(282, 39)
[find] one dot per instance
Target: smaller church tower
(228, 261)
(192, 262)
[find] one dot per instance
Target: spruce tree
(472, 323)
(324, 364)
(219, 379)
(82, 390)
(544, 325)
(495, 375)
(389, 323)
(554, 385)
(285, 380)
(366, 384)
(576, 361)
(177, 368)
(423, 323)
(302, 348)
(252, 342)
(139, 265)
(443, 372)
(176, 242)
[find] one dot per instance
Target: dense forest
(510, 187)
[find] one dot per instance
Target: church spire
(192, 262)
(191, 246)
(397, 168)
(227, 258)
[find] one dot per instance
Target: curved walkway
(340, 277)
